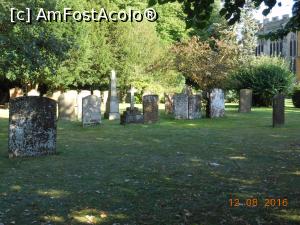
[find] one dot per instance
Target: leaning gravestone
(91, 110)
(150, 108)
(216, 103)
(181, 106)
(80, 96)
(32, 126)
(112, 105)
(169, 103)
(278, 110)
(194, 107)
(245, 100)
(67, 103)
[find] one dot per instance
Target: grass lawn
(169, 173)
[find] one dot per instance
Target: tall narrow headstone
(181, 106)
(216, 103)
(81, 95)
(32, 126)
(278, 110)
(150, 108)
(112, 105)
(169, 103)
(91, 110)
(245, 100)
(67, 103)
(194, 110)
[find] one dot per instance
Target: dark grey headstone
(32, 126)
(91, 110)
(169, 103)
(181, 106)
(245, 100)
(217, 103)
(194, 107)
(132, 115)
(150, 108)
(278, 110)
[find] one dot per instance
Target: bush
(266, 76)
(231, 96)
(296, 96)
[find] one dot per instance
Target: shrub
(266, 76)
(296, 96)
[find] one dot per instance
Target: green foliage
(266, 76)
(296, 96)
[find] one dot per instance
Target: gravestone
(150, 108)
(81, 95)
(91, 110)
(97, 93)
(67, 103)
(132, 114)
(112, 105)
(105, 97)
(216, 103)
(33, 92)
(32, 126)
(278, 110)
(181, 106)
(245, 100)
(169, 103)
(194, 109)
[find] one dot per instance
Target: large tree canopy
(198, 12)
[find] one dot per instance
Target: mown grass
(169, 173)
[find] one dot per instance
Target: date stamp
(251, 202)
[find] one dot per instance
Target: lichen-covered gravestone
(150, 108)
(169, 103)
(32, 126)
(81, 95)
(278, 110)
(216, 103)
(181, 106)
(245, 100)
(67, 103)
(194, 107)
(91, 110)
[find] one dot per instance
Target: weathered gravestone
(245, 100)
(150, 108)
(91, 110)
(194, 111)
(97, 93)
(278, 110)
(132, 114)
(181, 106)
(80, 96)
(67, 103)
(112, 105)
(32, 126)
(216, 103)
(169, 103)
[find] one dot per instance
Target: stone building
(288, 47)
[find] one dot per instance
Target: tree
(208, 63)
(198, 12)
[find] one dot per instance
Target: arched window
(277, 48)
(295, 49)
(271, 50)
(291, 48)
(281, 47)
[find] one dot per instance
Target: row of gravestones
(32, 120)
(188, 106)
